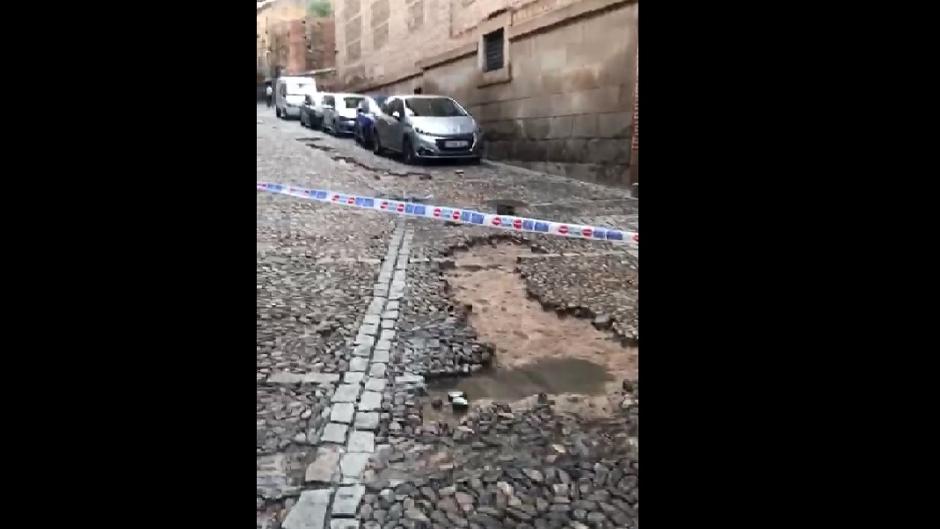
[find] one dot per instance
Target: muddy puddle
(536, 350)
(551, 376)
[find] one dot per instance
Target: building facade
(551, 81)
(294, 41)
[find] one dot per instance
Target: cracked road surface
(357, 313)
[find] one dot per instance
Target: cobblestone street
(365, 322)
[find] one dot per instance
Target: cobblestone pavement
(354, 315)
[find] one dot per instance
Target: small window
(352, 102)
(308, 100)
(493, 50)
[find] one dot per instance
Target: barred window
(493, 50)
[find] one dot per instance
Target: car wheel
(408, 152)
(376, 144)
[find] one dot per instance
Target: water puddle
(551, 376)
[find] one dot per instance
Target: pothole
(341, 158)
(537, 350)
(506, 206)
(324, 148)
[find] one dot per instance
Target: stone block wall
(564, 104)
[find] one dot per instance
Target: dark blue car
(365, 119)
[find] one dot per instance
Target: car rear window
(352, 102)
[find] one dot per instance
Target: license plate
(456, 143)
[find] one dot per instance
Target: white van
(289, 95)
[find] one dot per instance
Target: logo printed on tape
(563, 229)
(586, 232)
(437, 212)
(496, 221)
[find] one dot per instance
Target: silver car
(425, 127)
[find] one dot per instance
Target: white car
(339, 112)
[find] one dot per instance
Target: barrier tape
(457, 215)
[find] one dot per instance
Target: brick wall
(294, 41)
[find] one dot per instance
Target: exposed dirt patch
(525, 335)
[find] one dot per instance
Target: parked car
(289, 95)
(425, 127)
(311, 113)
(365, 118)
(339, 112)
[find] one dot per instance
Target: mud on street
(366, 322)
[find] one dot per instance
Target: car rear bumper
(345, 127)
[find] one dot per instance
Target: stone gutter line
(356, 405)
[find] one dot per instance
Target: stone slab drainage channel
(348, 440)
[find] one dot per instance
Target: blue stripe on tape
(419, 210)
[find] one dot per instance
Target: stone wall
(563, 104)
